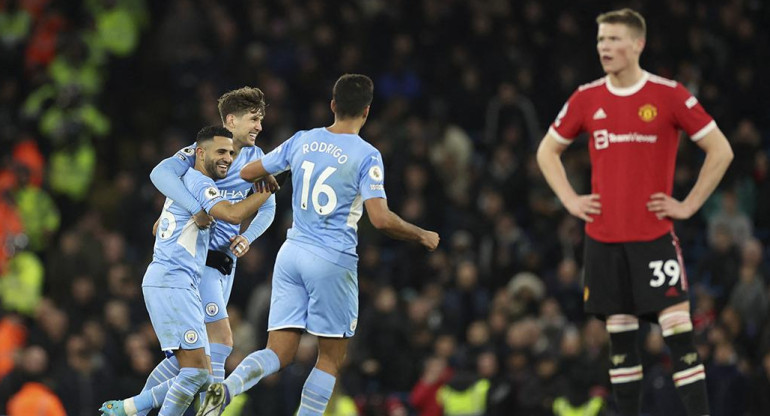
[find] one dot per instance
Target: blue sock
(219, 353)
(164, 371)
(184, 388)
(316, 393)
(253, 368)
(152, 398)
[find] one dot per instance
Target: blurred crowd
(94, 93)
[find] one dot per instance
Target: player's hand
(664, 206)
(239, 245)
(430, 240)
(202, 219)
(267, 184)
(584, 206)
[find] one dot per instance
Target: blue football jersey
(180, 247)
(231, 188)
(332, 176)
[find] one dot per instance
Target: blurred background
(94, 93)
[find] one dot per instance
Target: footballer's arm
(240, 211)
(549, 159)
(719, 154)
(385, 220)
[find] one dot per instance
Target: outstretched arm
(549, 159)
(391, 224)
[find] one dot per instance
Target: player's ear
(639, 44)
(366, 111)
(333, 106)
(230, 120)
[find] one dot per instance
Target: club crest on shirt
(353, 325)
(648, 112)
(190, 337)
(211, 309)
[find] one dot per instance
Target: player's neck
(627, 77)
(202, 169)
(237, 148)
(346, 126)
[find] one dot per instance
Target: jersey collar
(625, 92)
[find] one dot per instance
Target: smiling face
(245, 127)
(216, 156)
(619, 47)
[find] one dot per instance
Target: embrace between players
(633, 264)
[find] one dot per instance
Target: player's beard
(213, 170)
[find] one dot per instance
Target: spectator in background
(731, 219)
(26, 391)
(423, 397)
(39, 214)
(718, 270)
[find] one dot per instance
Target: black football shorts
(635, 278)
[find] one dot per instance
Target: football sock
(183, 390)
(625, 365)
(164, 371)
(219, 353)
(253, 368)
(316, 393)
(689, 374)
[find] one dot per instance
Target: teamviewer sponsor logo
(602, 138)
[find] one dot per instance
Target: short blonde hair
(631, 18)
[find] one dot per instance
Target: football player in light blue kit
(315, 280)
(241, 112)
(170, 284)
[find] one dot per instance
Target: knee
(331, 361)
(193, 360)
(285, 355)
(219, 332)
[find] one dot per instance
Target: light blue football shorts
(312, 293)
(215, 289)
(177, 317)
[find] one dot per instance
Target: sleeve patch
(375, 173)
(189, 151)
(690, 103)
(211, 192)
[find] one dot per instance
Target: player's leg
(281, 348)
(661, 289)
(333, 317)
(625, 364)
(214, 294)
(689, 373)
(177, 319)
(320, 383)
(193, 375)
(159, 379)
(608, 294)
(288, 315)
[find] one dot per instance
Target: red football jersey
(634, 135)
